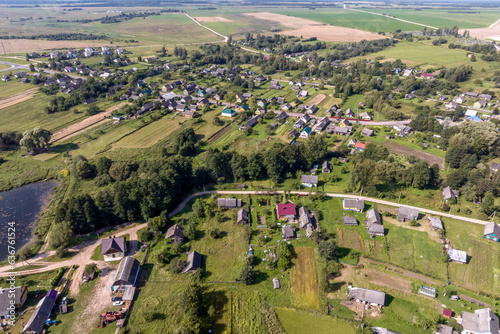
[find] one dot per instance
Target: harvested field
(212, 19)
(219, 134)
(309, 28)
(317, 99)
(17, 98)
(389, 281)
(403, 150)
(25, 45)
(87, 123)
(304, 279)
(492, 32)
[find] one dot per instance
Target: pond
(23, 206)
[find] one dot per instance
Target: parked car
(118, 303)
(116, 299)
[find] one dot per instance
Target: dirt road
(86, 124)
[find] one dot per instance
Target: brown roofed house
(175, 232)
(113, 249)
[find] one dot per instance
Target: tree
(157, 224)
(247, 275)
(176, 265)
(144, 235)
(36, 139)
(61, 235)
(488, 204)
(102, 165)
(190, 231)
(120, 170)
(83, 169)
(32, 68)
(328, 249)
(284, 252)
(93, 110)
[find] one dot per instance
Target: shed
(368, 296)
(457, 255)
(228, 203)
(349, 220)
(42, 312)
(326, 167)
(353, 204)
(407, 213)
(276, 283)
(193, 262)
(450, 194)
(435, 223)
(427, 291)
(128, 294)
(443, 329)
(176, 232)
(304, 217)
(288, 232)
(127, 273)
(447, 313)
(367, 132)
(242, 217)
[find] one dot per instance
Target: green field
(297, 322)
(304, 279)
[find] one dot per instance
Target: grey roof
(443, 329)
(41, 314)
(449, 193)
(381, 330)
(435, 222)
(326, 166)
(367, 132)
(304, 217)
(482, 321)
(5, 298)
(374, 228)
(276, 283)
(349, 220)
(251, 122)
(242, 215)
(370, 296)
(372, 216)
(405, 212)
(193, 262)
(127, 272)
(340, 129)
(354, 203)
(313, 179)
(175, 231)
(495, 166)
(492, 228)
(129, 293)
(113, 245)
(288, 232)
(229, 202)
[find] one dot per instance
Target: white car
(118, 303)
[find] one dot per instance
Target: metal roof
(370, 296)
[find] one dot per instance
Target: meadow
(304, 279)
(298, 322)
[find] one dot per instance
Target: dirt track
(309, 28)
(18, 98)
(87, 123)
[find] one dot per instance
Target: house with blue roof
(474, 118)
(228, 113)
(306, 132)
(201, 93)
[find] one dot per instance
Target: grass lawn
(304, 279)
(297, 322)
(12, 87)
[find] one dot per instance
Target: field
(308, 28)
(17, 98)
(212, 19)
(297, 322)
(406, 151)
(29, 45)
(304, 279)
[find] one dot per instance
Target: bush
(90, 268)
(61, 252)
(144, 235)
(176, 265)
(247, 275)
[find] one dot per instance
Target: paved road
(13, 66)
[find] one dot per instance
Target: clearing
(212, 19)
(317, 99)
(403, 150)
(89, 122)
(309, 28)
(304, 279)
(17, 98)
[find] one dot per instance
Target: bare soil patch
(76, 128)
(18, 98)
(24, 45)
(309, 28)
(389, 281)
(403, 150)
(485, 33)
(317, 99)
(212, 19)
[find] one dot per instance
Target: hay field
(18, 98)
(304, 279)
(309, 28)
(212, 19)
(25, 45)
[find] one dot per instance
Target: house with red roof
(286, 211)
(360, 146)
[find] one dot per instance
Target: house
(242, 217)
(311, 109)
(251, 122)
(276, 283)
(286, 211)
(6, 78)
(228, 203)
(470, 113)
(482, 321)
(427, 291)
(484, 97)
(436, 223)
(367, 132)
(280, 100)
(305, 132)
(305, 217)
(299, 124)
(180, 107)
(42, 312)
(193, 262)
(282, 116)
(309, 180)
(457, 255)
(20, 74)
(374, 223)
(302, 93)
(347, 220)
(338, 130)
(175, 232)
(120, 51)
(288, 232)
(372, 297)
(481, 104)
(228, 113)
(10, 298)
(460, 99)
(293, 133)
(450, 194)
(365, 117)
(326, 167)
(261, 102)
(410, 96)
(360, 146)
(492, 232)
(407, 213)
(88, 52)
(353, 204)
(443, 98)
(113, 249)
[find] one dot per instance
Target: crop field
(245, 316)
(304, 279)
(7, 89)
(297, 322)
(17, 98)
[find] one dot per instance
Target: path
(87, 249)
(494, 24)
(394, 18)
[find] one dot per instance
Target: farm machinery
(108, 317)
